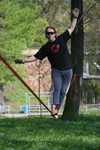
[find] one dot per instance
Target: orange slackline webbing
(25, 84)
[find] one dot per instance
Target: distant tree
(23, 26)
(2, 99)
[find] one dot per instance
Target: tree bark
(2, 98)
(72, 103)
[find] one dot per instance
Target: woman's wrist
(23, 61)
(75, 13)
(75, 17)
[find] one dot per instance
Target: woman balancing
(56, 51)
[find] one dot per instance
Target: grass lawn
(45, 133)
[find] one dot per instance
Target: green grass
(45, 133)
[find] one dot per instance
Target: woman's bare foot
(55, 111)
(55, 116)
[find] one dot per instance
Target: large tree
(71, 109)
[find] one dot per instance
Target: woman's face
(51, 34)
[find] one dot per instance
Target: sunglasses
(48, 33)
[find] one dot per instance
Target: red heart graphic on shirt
(55, 48)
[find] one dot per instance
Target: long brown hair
(50, 27)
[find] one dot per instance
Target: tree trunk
(71, 109)
(2, 99)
